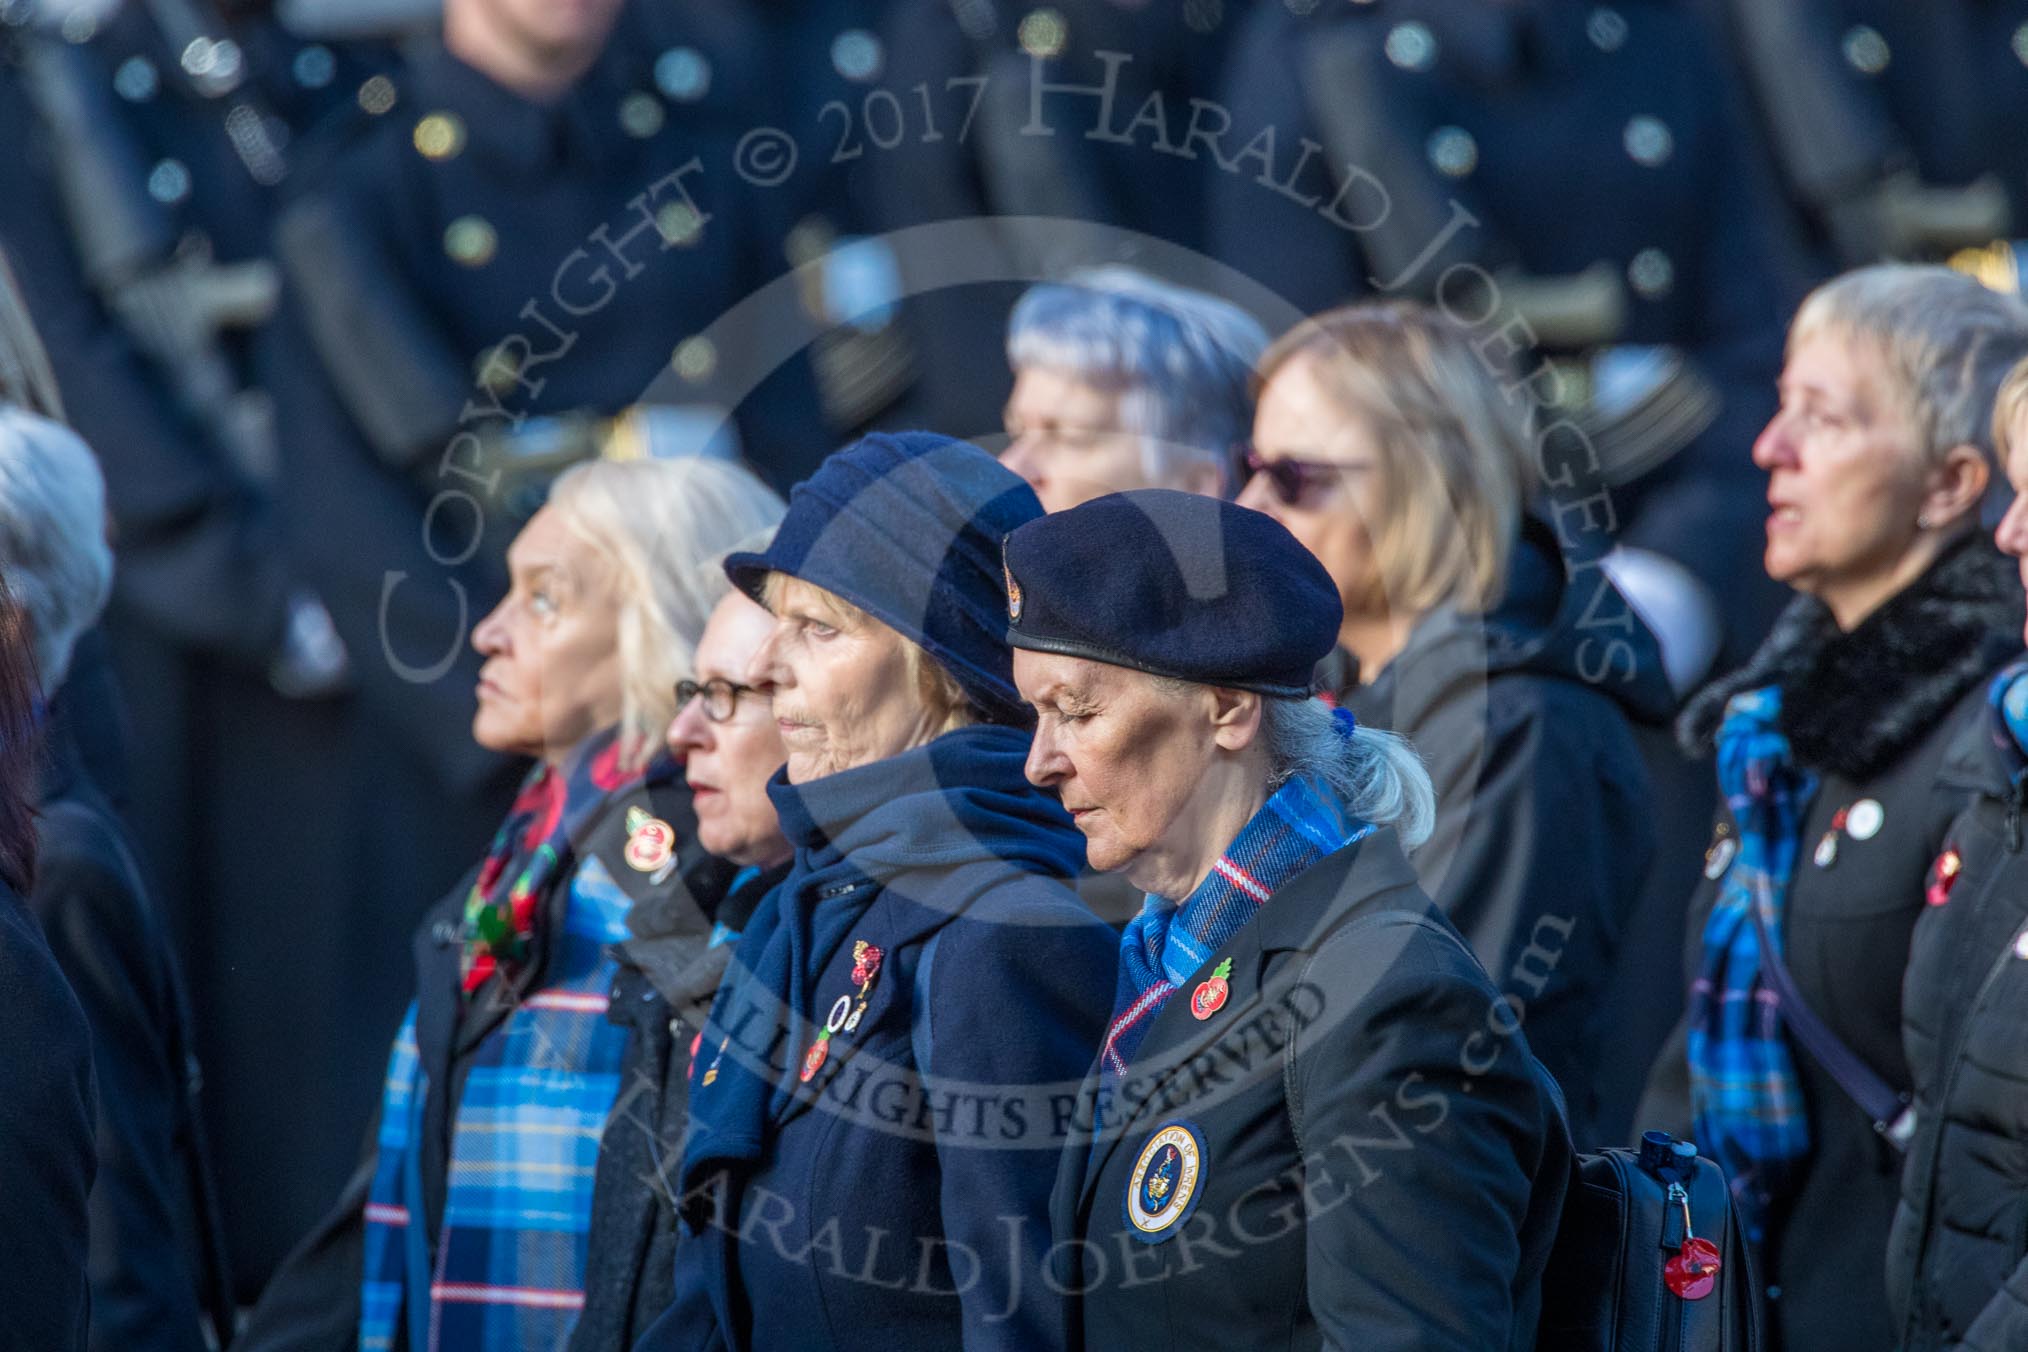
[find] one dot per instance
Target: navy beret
(1175, 584)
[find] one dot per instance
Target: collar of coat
(1852, 703)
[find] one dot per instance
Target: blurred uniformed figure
(982, 147)
(1895, 127)
(745, 65)
(1572, 179)
(491, 258)
(147, 142)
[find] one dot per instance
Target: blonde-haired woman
(466, 1224)
(1386, 445)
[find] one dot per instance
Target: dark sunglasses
(1292, 480)
(721, 697)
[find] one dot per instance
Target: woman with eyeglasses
(886, 1081)
(467, 1223)
(1385, 445)
(669, 969)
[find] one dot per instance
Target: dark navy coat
(1957, 1257)
(900, 1198)
(1354, 1151)
(47, 1156)
(157, 1257)
(1545, 820)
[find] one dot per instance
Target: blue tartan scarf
(1747, 1101)
(2007, 702)
(1167, 943)
(509, 1260)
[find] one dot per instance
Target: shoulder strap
(1891, 1114)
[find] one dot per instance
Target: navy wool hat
(907, 526)
(1174, 584)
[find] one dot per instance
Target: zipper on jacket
(1675, 1230)
(2016, 791)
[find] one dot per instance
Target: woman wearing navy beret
(882, 1090)
(1313, 1120)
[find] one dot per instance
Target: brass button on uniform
(440, 136)
(377, 96)
(471, 240)
(1649, 141)
(641, 115)
(695, 358)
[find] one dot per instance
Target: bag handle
(1890, 1111)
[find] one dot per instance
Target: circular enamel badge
(1163, 1188)
(1865, 818)
(1718, 858)
(649, 847)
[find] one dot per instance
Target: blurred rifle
(167, 292)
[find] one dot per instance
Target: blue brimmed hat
(908, 526)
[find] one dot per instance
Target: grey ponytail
(1376, 774)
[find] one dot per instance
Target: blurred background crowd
(333, 288)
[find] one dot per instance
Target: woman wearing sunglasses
(1384, 444)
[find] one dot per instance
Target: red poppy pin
(1212, 993)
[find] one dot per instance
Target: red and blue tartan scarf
(1747, 1101)
(506, 1268)
(1167, 943)
(525, 853)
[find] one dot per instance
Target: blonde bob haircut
(658, 524)
(2008, 406)
(937, 692)
(1454, 457)
(1947, 340)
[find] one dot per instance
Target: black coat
(47, 1158)
(156, 1257)
(1376, 1167)
(1957, 1257)
(313, 1301)
(1872, 712)
(1544, 827)
(668, 973)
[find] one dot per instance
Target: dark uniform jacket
(1414, 141)
(47, 1158)
(1361, 1151)
(1544, 828)
(1873, 713)
(156, 1256)
(313, 1301)
(668, 973)
(1957, 1257)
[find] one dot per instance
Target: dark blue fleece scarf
(939, 825)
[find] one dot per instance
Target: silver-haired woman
(467, 1222)
(1124, 381)
(1308, 1123)
(1830, 745)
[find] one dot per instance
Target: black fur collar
(1853, 703)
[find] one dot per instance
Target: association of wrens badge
(1167, 1177)
(650, 841)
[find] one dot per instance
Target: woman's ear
(1235, 718)
(1956, 487)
